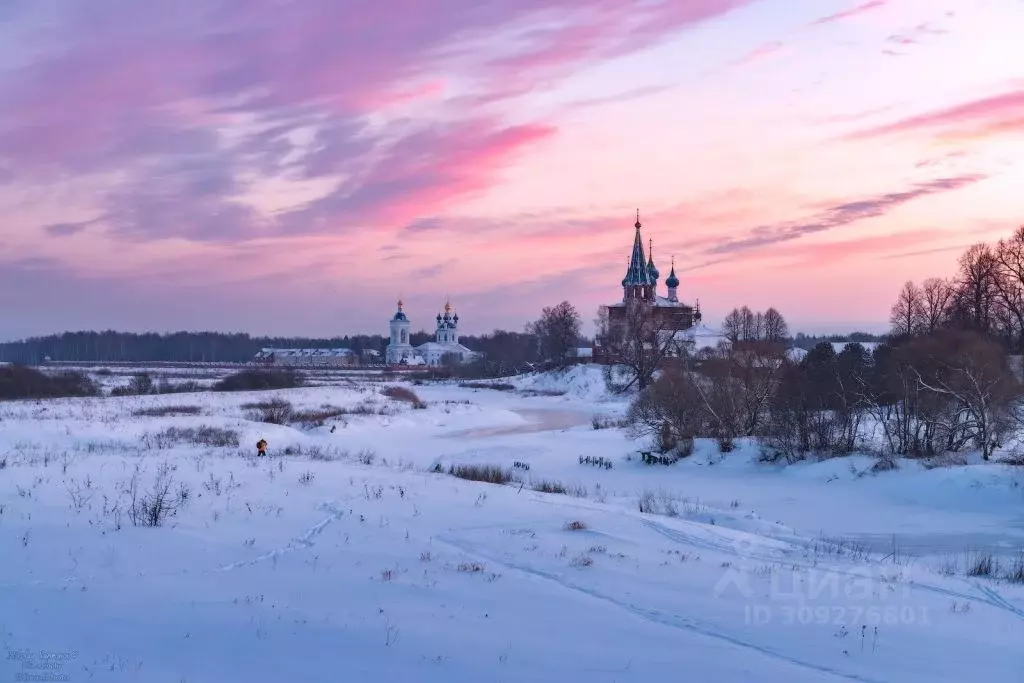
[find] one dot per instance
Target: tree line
(946, 379)
(985, 295)
(508, 349)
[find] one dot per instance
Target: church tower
(399, 348)
(672, 283)
(447, 326)
(641, 275)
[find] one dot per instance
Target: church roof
(672, 280)
(449, 347)
(400, 314)
(637, 273)
(652, 271)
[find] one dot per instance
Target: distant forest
(218, 347)
(808, 342)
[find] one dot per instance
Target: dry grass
(405, 395)
(318, 417)
(260, 380)
(496, 386)
(545, 486)
(983, 564)
(1016, 572)
(167, 411)
(576, 525)
(203, 435)
(550, 487)
(582, 561)
(491, 474)
(277, 411)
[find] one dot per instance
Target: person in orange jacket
(261, 447)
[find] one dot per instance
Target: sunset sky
(294, 166)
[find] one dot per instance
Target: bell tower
(641, 275)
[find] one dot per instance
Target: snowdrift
(584, 382)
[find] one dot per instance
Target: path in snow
(1009, 544)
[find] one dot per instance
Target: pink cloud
(760, 53)
(422, 174)
(126, 89)
(827, 254)
(980, 118)
(868, 6)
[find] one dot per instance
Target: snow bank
(578, 381)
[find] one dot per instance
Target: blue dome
(399, 316)
(652, 271)
(672, 280)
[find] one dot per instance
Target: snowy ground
(344, 557)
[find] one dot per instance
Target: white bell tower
(399, 348)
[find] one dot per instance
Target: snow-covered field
(346, 556)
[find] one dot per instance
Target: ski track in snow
(985, 595)
(654, 616)
(989, 596)
(298, 543)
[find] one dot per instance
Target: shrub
(140, 385)
(550, 487)
(982, 565)
(275, 412)
(318, 417)
(576, 491)
(165, 387)
(204, 435)
(491, 474)
(582, 561)
(167, 411)
(260, 380)
(496, 386)
(1016, 573)
(405, 395)
(603, 422)
(152, 508)
(576, 525)
(318, 454)
(20, 382)
(664, 503)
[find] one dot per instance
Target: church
(445, 346)
(673, 317)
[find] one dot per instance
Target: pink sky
(294, 167)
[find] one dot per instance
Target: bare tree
(732, 325)
(907, 315)
(743, 324)
(936, 298)
(1009, 283)
(637, 344)
(557, 331)
(670, 411)
(978, 287)
(775, 328)
(977, 383)
(746, 374)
